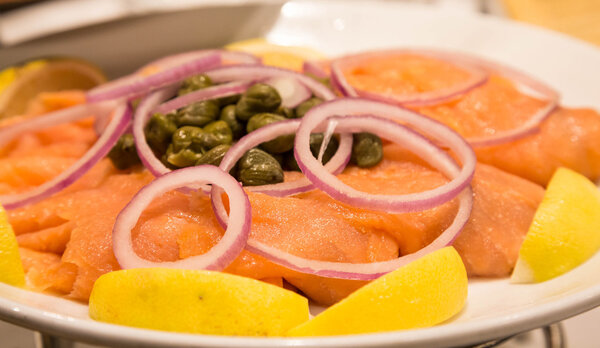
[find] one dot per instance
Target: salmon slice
(46, 272)
(569, 138)
(52, 239)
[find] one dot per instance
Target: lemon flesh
(289, 57)
(196, 302)
(423, 293)
(565, 230)
(11, 268)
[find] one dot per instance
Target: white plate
(494, 308)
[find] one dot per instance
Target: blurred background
(31, 26)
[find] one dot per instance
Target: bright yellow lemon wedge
(423, 293)
(20, 84)
(289, 57)
(11, 268)
(565, 230)
(196, 302)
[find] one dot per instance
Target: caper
(214, 156)
(183, 158)
(257, 167)
(367, 150)
(280, 144)
(158, 132)
(123, 155)
(306, 105)
(316, 140)
(187, 137)
(285, 112)
(194, 83)
(216, 133)
(229, 100)
(198, 114)
(228, 115)
(258, 98)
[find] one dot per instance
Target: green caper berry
(280, 144)
(316, 140)
(185, 137)
(194, 83)
(228, 115)
(306, 105)
(158, 132)
(367, 150)
(183, 158)
(216, 133)
(257, 167)
(258, 98)
(285, 112)
(124, 155)
(229, 100)
(198, 114)
(214, 156)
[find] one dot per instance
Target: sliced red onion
(116, 127)
(134, 85)
(217, 258)
(478, 77)
(214, 92)
(292, 92)
(227, 57)
(331, 185)
(336, 164)
(366, 271)
(313, 68)
(257, 73)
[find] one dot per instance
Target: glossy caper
(214, 156)
(306, 105)
(198, 114)
(367, 150)
(238, 128)
(257, 167)
(280, 144)
(124, 155)
(187, 137)
(316, 140)
(159, 130)
(285, 112)
(183, 158)
(258, 98)
(194, 83)
(229, 100)
(216, 133)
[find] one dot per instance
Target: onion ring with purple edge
(217, 258)
(336, 164)
(313, 68)
(116, 127)
(328, 183)
(179, 58)
(292, 92)
(134, 85)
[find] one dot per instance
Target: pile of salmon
(65, 240)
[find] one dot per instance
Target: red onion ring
(313, 68)
(117, 126)
(292, 92)
(135, 85)
(258, 72)
(214, 92)
(236, 57)
(478, 78)
(217, 258)
(328, 183)
(336, 164)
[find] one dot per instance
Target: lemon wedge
(565, 230)
(289, 57)
(196, 302)
(11, 268)
(20, 84)
(421, 294)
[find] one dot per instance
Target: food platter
(495, 308)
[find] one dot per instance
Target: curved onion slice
(292, 92)
(120, 122)
(328, 183)
(227, 57)
(478, 77)
(313, 68)
(214, 92)
(136, 84)
(258, 72)
(221, 255)
(336, 164)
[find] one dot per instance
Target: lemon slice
(11, 268)
(19, 85)
(565, 230)
(421, 294)
(289, 57)
(195, 302)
